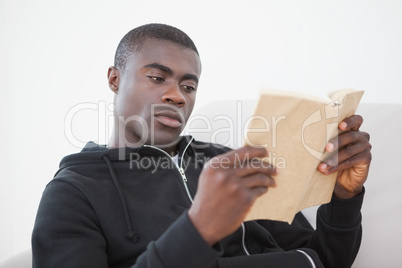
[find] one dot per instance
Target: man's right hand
(227, 188)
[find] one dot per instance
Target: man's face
(156, 94)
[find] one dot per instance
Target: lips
(169, 118)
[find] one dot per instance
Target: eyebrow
(169, 71)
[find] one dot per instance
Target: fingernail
(323, 166)
(343, 125)
(330, 147)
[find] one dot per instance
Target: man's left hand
(352, 160)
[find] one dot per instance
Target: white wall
(55, 54)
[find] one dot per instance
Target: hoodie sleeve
(67, 234)
(339, 232)
(180, 246)
(168, 251)
(301, 258)
(337, 236)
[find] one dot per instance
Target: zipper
(184, 178)
(308, 257)
(179, 167)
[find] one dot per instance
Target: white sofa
(382, 210)
(20, 260)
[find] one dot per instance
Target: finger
(351, 123)
(346, 138)
(245, 153)
(258, 180)
(254, 166)
(363, 157)
(346, 152)
(351, 150)
(258, 191)
(252, 194)
(359, 159)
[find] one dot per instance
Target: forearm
(338, 234)
(180, 246)
(301, 258)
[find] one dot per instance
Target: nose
(173, 95)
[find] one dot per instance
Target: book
(295, 128)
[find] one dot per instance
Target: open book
(295, 128)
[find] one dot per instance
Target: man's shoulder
(83, 166)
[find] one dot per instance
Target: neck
(116, 141)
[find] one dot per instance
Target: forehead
(163, 52)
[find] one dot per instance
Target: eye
(157, 78)
(188, 88)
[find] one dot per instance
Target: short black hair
(134, 39)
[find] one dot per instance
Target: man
(151, 198)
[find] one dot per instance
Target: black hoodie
(127, 207)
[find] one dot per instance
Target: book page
(295, 131)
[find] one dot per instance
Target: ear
(113, 76)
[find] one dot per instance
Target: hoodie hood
(94, 157)
(93, 152)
